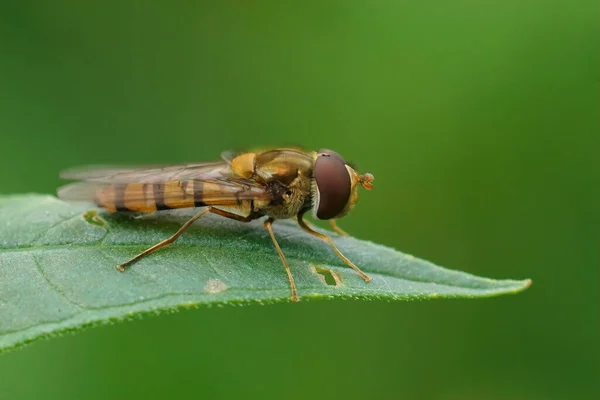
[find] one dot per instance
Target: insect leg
(121, 267)
(333, 224)
(268, 224)
(339, 253)
(337, 229)
(230, 215)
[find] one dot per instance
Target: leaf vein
(55, 287)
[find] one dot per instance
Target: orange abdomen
(145, 197)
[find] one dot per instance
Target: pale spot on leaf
(213, 286)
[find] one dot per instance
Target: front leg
(349, 263)
(337, 229)
(333, 225)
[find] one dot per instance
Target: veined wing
(150, 174)
(145, 197)
(163, 188)
(196, 171)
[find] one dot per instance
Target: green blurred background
(479, 119)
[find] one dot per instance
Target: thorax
(287, 173)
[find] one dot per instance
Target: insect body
(278, 184)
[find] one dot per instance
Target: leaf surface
(57, 267)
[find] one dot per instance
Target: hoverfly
(277, 183)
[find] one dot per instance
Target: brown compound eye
(333, 184)
(332, 154)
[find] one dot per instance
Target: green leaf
(57, 267)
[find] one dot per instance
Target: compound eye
(334, 185)
(332, 153)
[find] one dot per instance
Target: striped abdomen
(145, 197)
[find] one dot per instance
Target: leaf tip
(520, 286)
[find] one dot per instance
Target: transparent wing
(167, 195)
(161, 187)
(150, 174)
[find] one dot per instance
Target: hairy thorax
(286, 173)
(289, 201)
